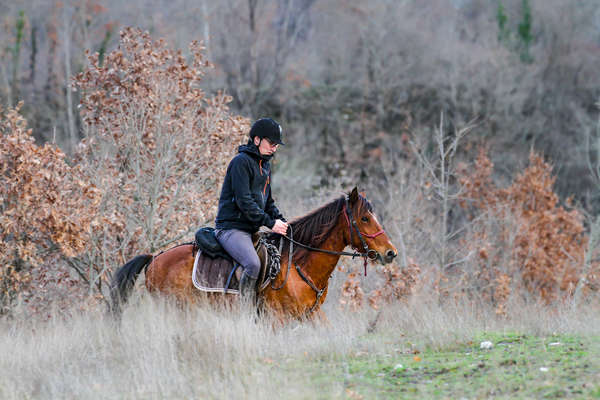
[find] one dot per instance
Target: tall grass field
(417, 349)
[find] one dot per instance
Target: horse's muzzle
(389, 256)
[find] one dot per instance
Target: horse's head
(360, 212)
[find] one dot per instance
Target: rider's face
(265, 146)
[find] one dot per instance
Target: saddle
(216, 271)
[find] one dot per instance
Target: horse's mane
(315, 227)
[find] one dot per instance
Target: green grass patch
(517, 366)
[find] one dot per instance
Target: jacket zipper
(265, 188)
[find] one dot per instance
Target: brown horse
(296, 292)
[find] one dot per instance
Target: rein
(335, 253)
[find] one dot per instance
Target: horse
(299, 290)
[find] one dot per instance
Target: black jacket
(246, 201)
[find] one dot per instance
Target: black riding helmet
(266, 128)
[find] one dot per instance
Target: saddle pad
(212, 274)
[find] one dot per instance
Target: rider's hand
(280, 227)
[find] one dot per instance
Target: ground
(517, 366)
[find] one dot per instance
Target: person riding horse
(246, 203)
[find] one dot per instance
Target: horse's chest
(305, 299)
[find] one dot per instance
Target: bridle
(367, 254)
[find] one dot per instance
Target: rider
(246, 203)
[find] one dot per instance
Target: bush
(522, 237)
(42, 204)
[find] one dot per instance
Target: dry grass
(161, 351)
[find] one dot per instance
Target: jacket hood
(252, 149)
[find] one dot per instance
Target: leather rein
(367, 254)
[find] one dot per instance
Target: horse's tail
(124, 279)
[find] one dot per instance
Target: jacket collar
(252, 149)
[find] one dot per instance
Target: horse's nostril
(390, 254)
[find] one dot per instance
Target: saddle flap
(217, 274)
(214, 274)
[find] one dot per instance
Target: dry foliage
(146, 174)
(393, 283)
(40, 199)
(398, 283)
(156, 147)
(535, 244)
(352, 294)
(519, 242)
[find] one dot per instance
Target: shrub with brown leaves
(352, 294)
(393, 283)
(40, 199)
(534, 243)
(398, 284)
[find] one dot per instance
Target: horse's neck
(320, 266)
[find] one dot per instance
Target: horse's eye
(365, 219)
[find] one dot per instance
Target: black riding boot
(248, 288)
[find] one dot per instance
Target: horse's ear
(353, 196)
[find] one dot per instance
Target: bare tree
(442, 174)
(592, 150)
(255, 47)
(67, 29)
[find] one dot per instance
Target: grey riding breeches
(238, 244)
